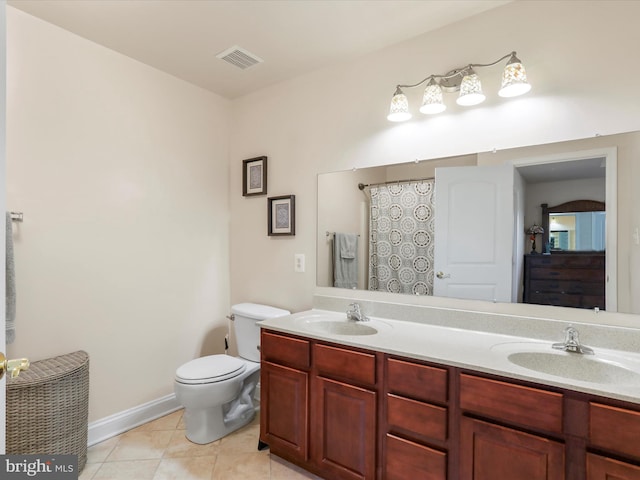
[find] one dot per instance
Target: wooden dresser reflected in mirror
(570, 271)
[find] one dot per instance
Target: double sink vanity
(416, 392)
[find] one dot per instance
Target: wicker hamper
(48, 408)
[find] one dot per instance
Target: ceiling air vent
(239, 57)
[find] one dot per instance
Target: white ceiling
(568, 170)
(293, 37)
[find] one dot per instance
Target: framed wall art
(254, 176)
(282, 215)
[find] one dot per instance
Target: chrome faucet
(354, 313)
(572, 342)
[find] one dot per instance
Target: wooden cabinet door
(490, 452)
(344, 434)
(603, 468)
(285, 411)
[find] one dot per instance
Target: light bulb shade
(470, 90)
(432, 101)
(514, 79)
(399, 110)
(535, 230)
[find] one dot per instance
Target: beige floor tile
(129, 470)
(245, 466)
(89, 471)
(180, 446)
(198, 468)
(137, 445)
(283, 470)
(256, 419)
(160, 451)
(168, 422)
(244, 440)
(182, 424)
(99, 452)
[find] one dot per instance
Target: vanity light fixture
(466, 81)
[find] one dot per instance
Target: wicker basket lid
(49, 369)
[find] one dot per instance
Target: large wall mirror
(402, 210)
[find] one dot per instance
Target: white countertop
(482, 351)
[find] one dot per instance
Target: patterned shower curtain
(401, 240)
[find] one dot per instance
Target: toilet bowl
(217, 391)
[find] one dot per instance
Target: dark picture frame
(254, 176)
(281, 212)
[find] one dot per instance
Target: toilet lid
(210, 369)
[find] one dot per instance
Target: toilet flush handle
(231, 317)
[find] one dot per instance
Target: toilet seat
(210, 369)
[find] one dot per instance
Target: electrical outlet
(298, 263)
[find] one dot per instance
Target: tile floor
(159, 450)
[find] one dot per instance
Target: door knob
(12, 367)
(442, 275)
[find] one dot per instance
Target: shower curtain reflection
(401, 237)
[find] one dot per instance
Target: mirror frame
(567, 207)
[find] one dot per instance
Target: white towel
(345, 260)
(10, 295)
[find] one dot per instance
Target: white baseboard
(118, 423)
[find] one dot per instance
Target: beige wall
(334, 119)
(555, 193)
(344, 209)
(121, 172)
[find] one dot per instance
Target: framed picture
(254, 176)
(282, 215)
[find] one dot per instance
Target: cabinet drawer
(562, 273)
(417, 381)
(294, 352)
(568, 287)
(408, 460)
(565, 300)
(530, 407)
(345, 364)
(615, 429)
(422, 419)
(596, 260)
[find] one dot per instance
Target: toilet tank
(245, 316)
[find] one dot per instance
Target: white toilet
(217, 391)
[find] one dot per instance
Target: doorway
(559, 178)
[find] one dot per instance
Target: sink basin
(341, 328)
(599, 368)
(337, 324)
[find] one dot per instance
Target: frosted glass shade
(470, 91)
(432, 101)
(399, 110)
(514, 80)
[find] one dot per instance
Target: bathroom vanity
(420, 401)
